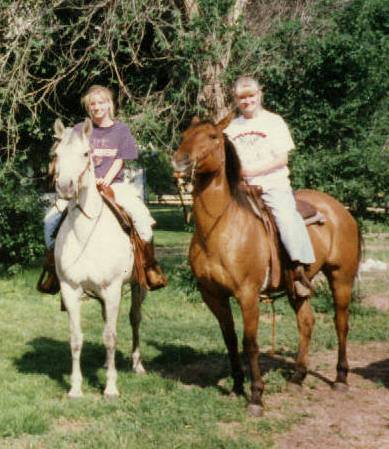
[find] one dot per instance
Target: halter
(79, 179)
(200, 158)
(193, 178)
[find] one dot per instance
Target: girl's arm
(279, 161)
(111, 173)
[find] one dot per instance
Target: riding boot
(48, 281)
(155, 277)
(302, 285)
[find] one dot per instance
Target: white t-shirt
(258, 140)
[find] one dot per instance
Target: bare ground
(357, 419)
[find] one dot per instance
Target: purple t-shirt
(108, 144)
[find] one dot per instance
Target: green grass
(182, 402)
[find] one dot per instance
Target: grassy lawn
(182, 402)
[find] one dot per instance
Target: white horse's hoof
(111, 393)
(111, 396)
(75, 394)
(138, 369)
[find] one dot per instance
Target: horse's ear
(59, 129)
(87, 127)
(195, 121)
(224, 122)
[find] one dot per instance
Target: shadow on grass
(377, 372)
(181, 363)
(52, 358)
(184, 364)
(191, 367)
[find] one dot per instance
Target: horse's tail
(361, 246)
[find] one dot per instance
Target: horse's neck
(89, 199)
(212, 198)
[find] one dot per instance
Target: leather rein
(194, 173)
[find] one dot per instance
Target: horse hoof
(255, 410)
(340, 387)
(111, 393)
(75, 394)
(297, 378)
(111, 396)
(139, 369)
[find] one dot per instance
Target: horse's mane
(233, 173)
(67, 134)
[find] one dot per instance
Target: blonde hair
(246, 84)
(105, 92)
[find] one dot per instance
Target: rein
(78, 205)
(193, 177)
(217, 172)
(89, 217)
(98, 216)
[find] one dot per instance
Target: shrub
(21, 213)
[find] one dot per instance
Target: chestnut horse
(230, 254)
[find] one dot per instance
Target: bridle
(202, 157)
(78, 183)
(194, 174)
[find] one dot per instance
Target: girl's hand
(102, 182)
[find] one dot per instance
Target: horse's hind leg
(71, 299)
(137, 296)
(111, 296)
(305, 323)
(221, 308)
(341, 291)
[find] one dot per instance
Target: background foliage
(323, 65)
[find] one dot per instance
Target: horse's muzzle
(65, 190)
(181, 165)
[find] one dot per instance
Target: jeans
(290, 224)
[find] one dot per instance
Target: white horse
(92, 254)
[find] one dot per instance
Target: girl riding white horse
(112, 143)
(92, 254)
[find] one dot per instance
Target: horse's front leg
(71, 300)
(137, 296)
(221, 308)
(111, 296)
(250, 314)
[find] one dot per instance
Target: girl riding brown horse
(230, 254)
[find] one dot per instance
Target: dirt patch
(380, 302)
(357, 419)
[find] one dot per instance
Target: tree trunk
(213, 93)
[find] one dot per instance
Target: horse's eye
(86, 154)
(213, 136)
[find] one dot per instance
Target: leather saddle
(128, 227)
